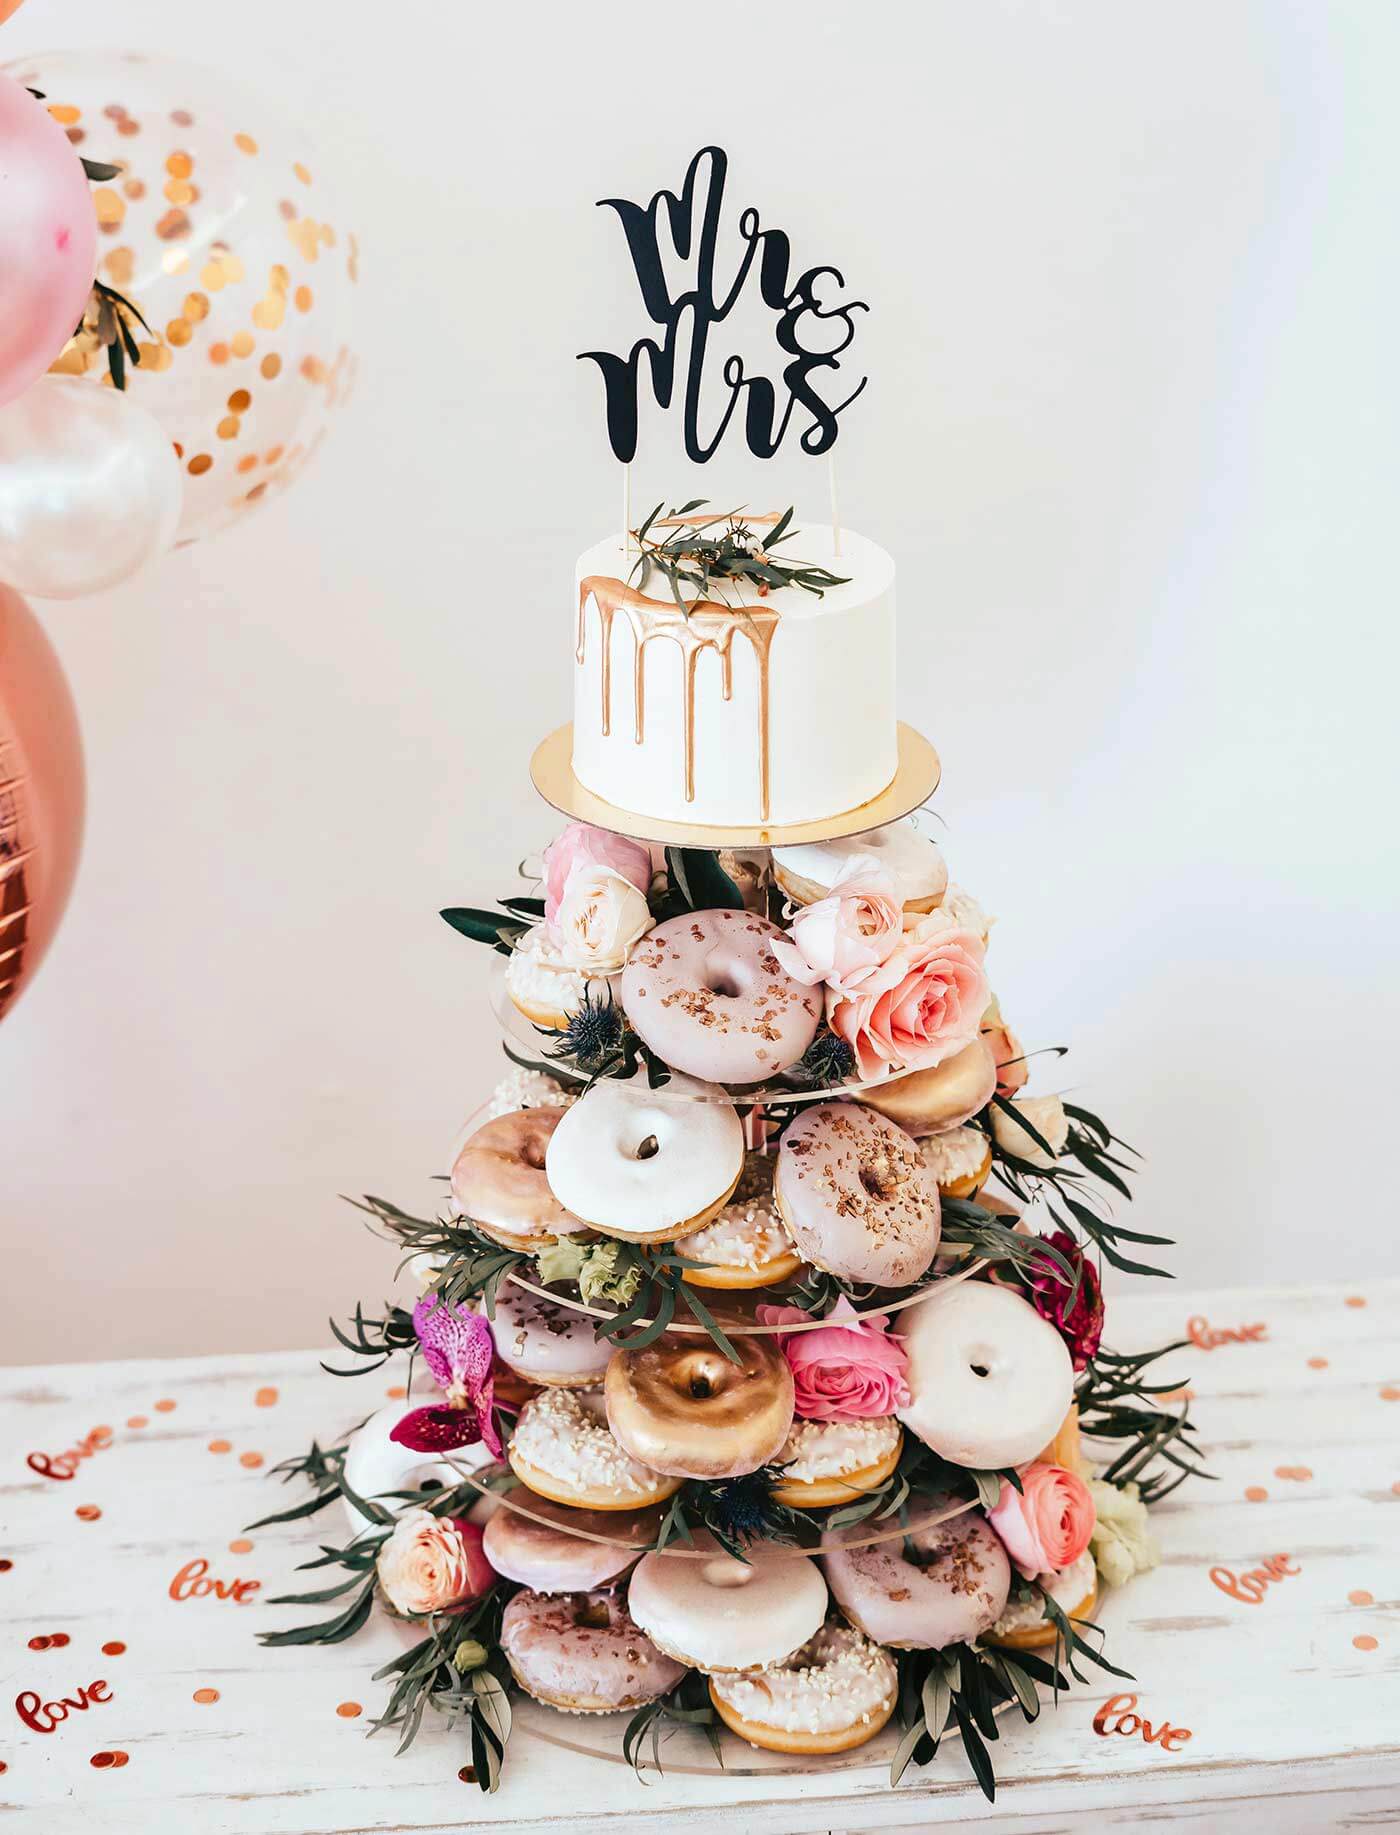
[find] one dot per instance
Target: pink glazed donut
(956, 1590)
(550, 1557)
(708, 995)
(857, 1195)
(582, 1653)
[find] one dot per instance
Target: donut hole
(879, 1176)
(648, 1148)
(981, 1360)
(726, 975)
(592, 1615)
(532, 1152)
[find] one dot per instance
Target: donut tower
(757, 1387)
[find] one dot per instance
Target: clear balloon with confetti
(220, 230)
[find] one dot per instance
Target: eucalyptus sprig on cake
(711, 554)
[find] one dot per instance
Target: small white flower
(1046, 1114)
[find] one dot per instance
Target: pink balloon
(48, 239)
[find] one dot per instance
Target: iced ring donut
(582, 1652)
(642, 1166)
(707, 994)
(836, 1692)
(561, 1449)
(547, 1343)
(833, 1462)
(932, 1101)
(681, 1406)
(944, 1584)
(1024, 1625)
(856, 1196)
(721, 1614)
(543, 984)
(551, 1557)
(376, 1466)
(808, 873)
(959, 1160)
(989, 1380)
(746, 1244)
(499, 1180)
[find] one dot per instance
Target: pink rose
(920, 1006)
(432, 1562)
(1046, 1525)
(849, 932)
(593, 847)
(849, 1370)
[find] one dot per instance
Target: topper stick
(626, 510)
(835, 510)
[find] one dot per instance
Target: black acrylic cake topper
(693, 222)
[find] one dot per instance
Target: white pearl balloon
(90, 489)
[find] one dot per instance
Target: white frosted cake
(754, 712)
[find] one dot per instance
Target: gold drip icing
(704, 625)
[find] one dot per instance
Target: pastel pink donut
(582, 1653)
(709, 997)
(955, 1594)
(548, 1558)
(857, 1195)
(547, 1343)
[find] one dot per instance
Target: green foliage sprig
(1116, 1404)
(688, 1704)
(473, 1265)
(709, 553)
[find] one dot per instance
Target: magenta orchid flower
(458, 1349)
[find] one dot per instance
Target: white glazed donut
(376, 1465)
(693, 1153)
(990, 1381)
(809, 872)
(547, 1343)
(722, 1614)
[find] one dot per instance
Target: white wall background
(1131, 434)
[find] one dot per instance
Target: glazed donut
(561, 1449)
(832, 1462)
(543, 984)
(856, 1196)
(550, 1558)
(723, 1614)
(643, 1166)
(582, 1653)
(681, 1406)
(932, 1101)
(707, 994)
(546, 1343)
(499, 1180)
(913, 860)
(1024, 1625)
(989, 1379)
(959, 1160)
(956, 1586)
(836, 1692)
(746, 1244)
(376, 1466)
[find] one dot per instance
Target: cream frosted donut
(549, 1557)
(959, 1160)
(527, 1089)
(915, 861)
(836, 1692)
(746, 1245)
(543, 984)
(832, 1462)
(642, 1166)
(376, 1466)
(722, 1614)
(710, 998)
(989, 1380)
(932, 1101)
(547, 1343)
(562, 1449)
(582, 1652)
(856, 1196)
(967, 914)
(681, 1406)
(950, 1592)
(499, 1181)
(1024, 1624)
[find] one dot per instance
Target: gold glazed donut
(498, 1179)
(681, 1406)
(929, 1101)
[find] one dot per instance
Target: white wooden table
(1292, 1701)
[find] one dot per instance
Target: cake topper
(814, 324)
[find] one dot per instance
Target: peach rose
(432, 1562)
(923, 1003)
(847, 933)
(600, 917)
(1047, 1524)
(581, 843)
(1012, 1068)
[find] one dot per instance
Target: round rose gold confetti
(1356, 1299)
(58, 1639)
(127, 127)
(165, 1406)
(39, 1643)
(174, 224)
(1364, 1642)
(349, 1710)
(137, 1420)
(271, 365)
(3, 1767)
(5, 1564)
(196, 307)
(221, 1446)
(1391, 1393)
(288, 210)
(248, 462)
(105, 1761)
(1395, 1488)
(199, 464)
(182, 117)
(218, 353)
(227, 428)
(1255, 1493)
(251, 1460)
(302, 297)
(396, 1392)
(240, 1545)
(1360, 1597)
(114, 1649)
(133, 188)
(179, 165)
(302, 173)
(87, 1513)
(1317, 1363)
(110, 207)
(245, 143)
(272, 455)
(241, 344)
(205, 1695)
(256, 492)
(65, 114)
(1299, 1473)
(238, 404)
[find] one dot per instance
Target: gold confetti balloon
(221, 230)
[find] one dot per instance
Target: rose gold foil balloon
(41, 795)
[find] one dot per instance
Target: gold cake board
(916, 779)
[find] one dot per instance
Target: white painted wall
(1132, 436)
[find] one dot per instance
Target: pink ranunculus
(851, 1369)
(431, 1563)
(597, 847)
(920, 1006)
(846, 934)
(1047, 1524)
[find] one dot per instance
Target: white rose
(426, 1566)
(600, 917)
(1046, 1114)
